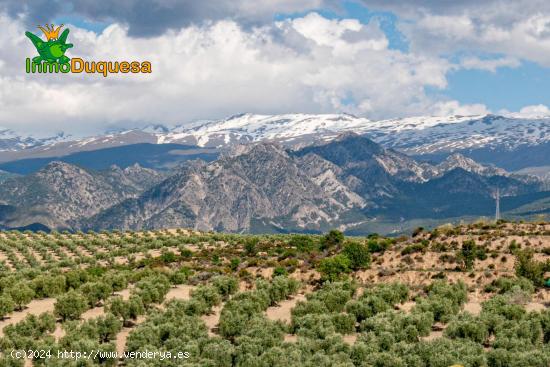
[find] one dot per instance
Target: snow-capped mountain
(414, 135)
(423, 135)
(10, 141)
(474, 136)
(290, 129)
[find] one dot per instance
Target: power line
(497, 211)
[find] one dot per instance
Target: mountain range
(512, 143)
(347, 181)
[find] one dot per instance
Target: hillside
(470, 295)
(61, 193)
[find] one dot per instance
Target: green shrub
(334, 295)
(303, 243)
(207, 294)
(48, 286)
(225, 285)
(392, 293)
(334, 268)
(96, 292)
(528, 268)
(466, 326)
(21, 294)
(6, 306)
(415, 247)
(358, 254)
(334, 238)
(70, 305)
(126, 310)
(506, 284)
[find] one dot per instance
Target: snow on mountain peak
(411, 135)
(251, 127)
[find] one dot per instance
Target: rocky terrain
(350, 182)
(61, 193)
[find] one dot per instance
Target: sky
(212, 59)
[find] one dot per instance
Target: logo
(52, 59)
(53, 49)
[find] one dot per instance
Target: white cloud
(533, 111)
(448, 108)
(308, 64)
(489, 64)
(517, 29)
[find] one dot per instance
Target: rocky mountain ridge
(347, 182)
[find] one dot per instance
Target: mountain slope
(342, 183)
(61, 193)
(377, 169)
(260, 181)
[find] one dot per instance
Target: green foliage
(334, 295)
(400, 326)
(48, 285)
(279, 271)
(70, 305)
(208, 294)
(469, 252)
(528, 268)
(303, 243)
(443, 301)
(358, 254)
(466, 326)
(506, 284)
(21, 294)
(126, 310)
(96, 292)
(225, 285)
(335, 267)
(415, 247)
(279, 289)
(378, 245)
(244, 307)
(117, 281)
(152, 289)
(392, 293)
(6, 305)
(26, 333)
(168, 256)
(250, 246)
(234, 263)
(503, 334)
(334, 238)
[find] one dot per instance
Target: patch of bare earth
(182, 291)
(535, 307)
(437, 332)
(350, 338)
(407, 306)
(122, 336)
(212, 319)
(281, 312)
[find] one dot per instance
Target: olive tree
(21, 294)
(6, 306)
(70, 305)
